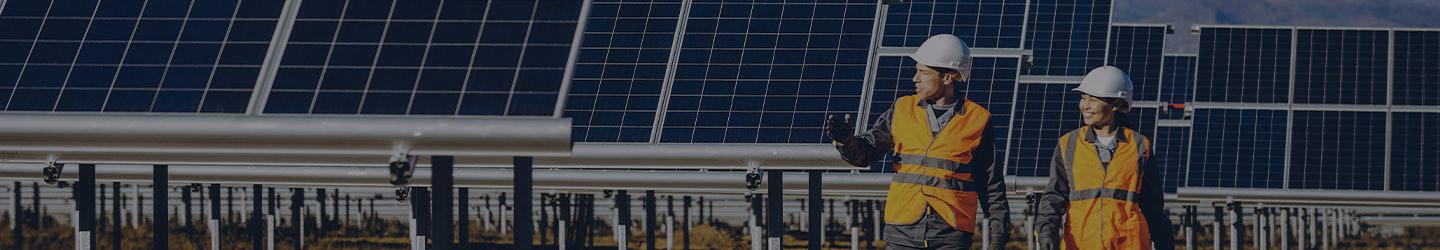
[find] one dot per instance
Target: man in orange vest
(946, 156)
(1104, 190)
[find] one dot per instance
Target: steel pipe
(272, 139)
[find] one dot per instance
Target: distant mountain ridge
(1349, 13)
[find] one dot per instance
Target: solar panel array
(616, 91)
(980, 23)
(1138, 50)
(133, 56)
(1244, 65)
(761, 72)
(1343, 83)
(1268, 102)
(1177, 78)
(1068, 37)
(495, 58)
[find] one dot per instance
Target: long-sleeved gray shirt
(872, 145)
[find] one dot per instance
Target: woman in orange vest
(946, 159)
(1105, 191)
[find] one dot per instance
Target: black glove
(838, 128)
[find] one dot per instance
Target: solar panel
(1043, 113)
(619, 76)
(1171, 146)
(1237, 148)
(129, 56)
(1415, 151)
(1341, 66)
(492, 58)
(1067, 36)
(1416, 58)
(992, 85)
(1141, 120)
(1138, 51)
(762, 72)
(1175, 84)
(1249, 65)
(980, 23)
(1320, 160)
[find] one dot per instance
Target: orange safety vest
(1103, 213)
(933, 169)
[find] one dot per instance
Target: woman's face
(1097, 111)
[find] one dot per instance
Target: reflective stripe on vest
(932, 181)
(924, 160)
(1096, 193)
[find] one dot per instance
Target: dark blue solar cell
(1342, 66)
(1321, 161)
(1176, 84)
(1170, 147)
(1250, 65)
(213, 9)
(27, 8)
(1415, 151)
(1138, 51)
(713, 68)
(1043, 113)
(1067, 37)
(1416, 58)
(1238, 148)
(125, 8)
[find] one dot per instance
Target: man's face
(930, 84)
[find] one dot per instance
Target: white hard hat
(1107, 82)
(944, 51)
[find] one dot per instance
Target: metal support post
(524, 188)
(160, 229)
(442, 218)
(775, 209)
(214, 223)
(85, 199)
(815, 209)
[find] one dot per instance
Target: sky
(1183, 14)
